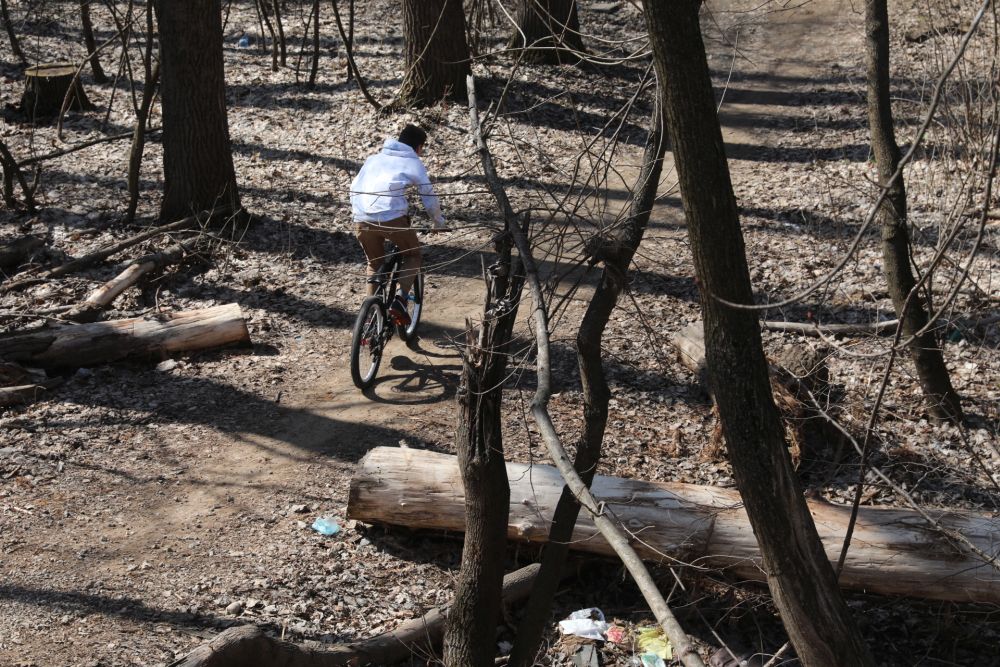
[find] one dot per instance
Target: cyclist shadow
(414, 382)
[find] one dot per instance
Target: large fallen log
(248, 646)
(893, 552)
(81, 345)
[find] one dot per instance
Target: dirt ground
(145, 506)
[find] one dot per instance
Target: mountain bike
(372, 329)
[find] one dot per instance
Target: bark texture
(617, 254)
(437, 53)
(548, 31)
(104, 342)
(469, 637)
(942, 400)
(198, 171)
(803, 584)
(895, 553)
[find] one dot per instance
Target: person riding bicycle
(380, 209)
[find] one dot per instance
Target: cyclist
(380, 209)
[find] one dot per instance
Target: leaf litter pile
(146, 505)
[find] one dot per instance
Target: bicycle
(371, 333)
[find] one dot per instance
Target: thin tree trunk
(819, 624)
(139, 143)
(349, 42)
(472, 621)
(315, 62)
(437, 53)
(198, 170)
(471, 631)
(266, 20)
(942, 400)
(15, 46)
(282, 48)
(548, 31)
(88, 39)
(595, 396)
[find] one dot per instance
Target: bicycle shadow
(414, 382)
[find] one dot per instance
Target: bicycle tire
(369, 328)
(414, 305)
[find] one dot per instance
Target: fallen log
(248, 646)
(104, 295)
(26, 393)
(894, 551)
(103, 342)
(80, 263)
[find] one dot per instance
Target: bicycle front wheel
(414, 306)
(367, 341)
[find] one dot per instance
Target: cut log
(248, 646)
(104, 342)
(894, 551)
(45, 88)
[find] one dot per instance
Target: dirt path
(220, 518)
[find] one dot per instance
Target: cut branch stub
(45, 88)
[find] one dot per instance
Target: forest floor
(146, 506)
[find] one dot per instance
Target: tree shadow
(194, 401)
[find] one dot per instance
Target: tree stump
(45, 88)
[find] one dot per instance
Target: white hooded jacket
(378, 192)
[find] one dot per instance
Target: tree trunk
(896, 552)
(472, 621)
(437, 53)
(45, 88)
(15, 46)
(819, 624)
(315, 59)
(596, 395)
(198, 171)
(139, 143)
(104, 342)
(548, 31)
(941, 398)
(88, 39)
(282, 46)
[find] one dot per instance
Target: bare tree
(198, 170)
(15, 46)
(437, 53)
(942, 400)
(616, 253)
(548, 31)
(801, 579)
(88, 39)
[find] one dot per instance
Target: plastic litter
(651, 660)
(617, 634)
(587, 656)
(586, 623)
(325, 526)
(652, 640)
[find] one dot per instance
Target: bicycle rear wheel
(367, 342)
(414, 306)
